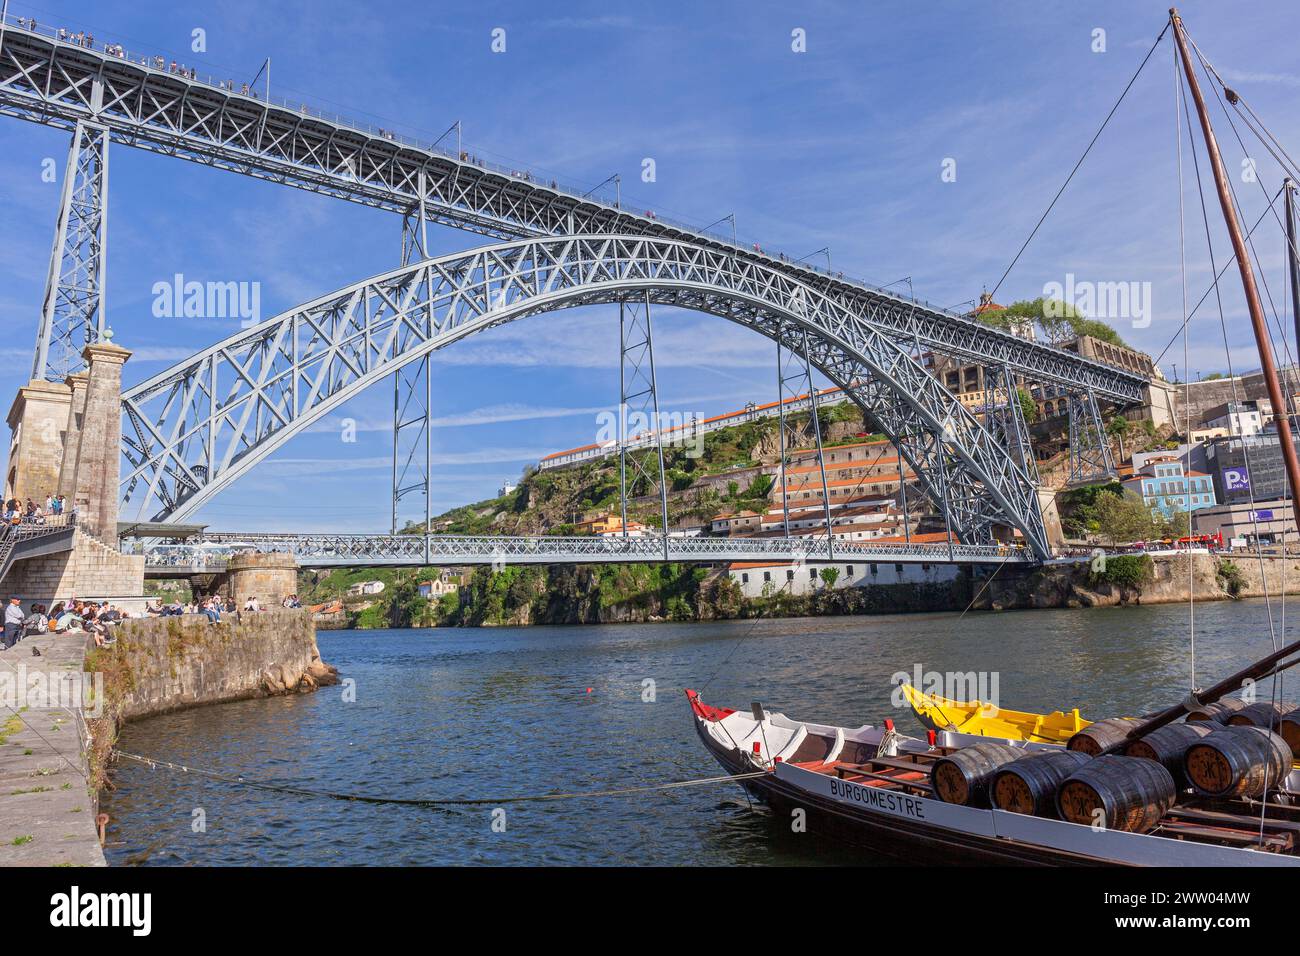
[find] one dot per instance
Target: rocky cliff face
(1075, 585)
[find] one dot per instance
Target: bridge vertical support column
(413, 390)
(99, 452)
(1011, 426)
(1090, 457)
(902, 490)
(72, 314)
(802, 380)
(637, 383)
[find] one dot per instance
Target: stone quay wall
(164, 664)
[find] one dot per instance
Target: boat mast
(1293, 261)
(1243, 263)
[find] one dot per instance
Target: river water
(489, 713)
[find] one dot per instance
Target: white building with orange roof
(766, 578)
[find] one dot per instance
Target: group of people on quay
(18, 510)
(212, 607)
(72, 616)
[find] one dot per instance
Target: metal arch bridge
(194, 428)
(260, 388)
(345, 550)
(103, 98)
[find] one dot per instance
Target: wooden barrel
(1121, 793)
(1289, 728)
(1238, 761)
(1095, 738)
(1168, 745)
(1028, 785)
(963, 776)
(1264, 713)
(1216, 713)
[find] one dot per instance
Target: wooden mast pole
(1243, 263)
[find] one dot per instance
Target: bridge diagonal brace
(639, 402)
(413, 385)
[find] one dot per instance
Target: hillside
(725, 476)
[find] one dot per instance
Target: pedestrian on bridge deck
(13, 621)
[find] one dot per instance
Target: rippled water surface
(507, 711)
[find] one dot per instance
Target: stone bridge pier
(268, 576)
(66, 439)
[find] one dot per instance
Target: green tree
(1176, 525)
(760, 486)
(1124, 518)
(406, 607)
(1028, 407)
(1118, 428)
(1058, 320)
(829, 576)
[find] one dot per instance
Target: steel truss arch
(56, 83)
(192, 429)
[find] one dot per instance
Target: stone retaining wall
(163, 664)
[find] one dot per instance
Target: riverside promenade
(47, 810)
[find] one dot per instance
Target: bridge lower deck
(209, 553)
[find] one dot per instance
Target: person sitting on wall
(69, 620)
(211, 610)
(35, 622)
(251, 604)
(97, 629)
(13, 620)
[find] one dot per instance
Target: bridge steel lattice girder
(72, 314)
(46, 81)
(192, 429)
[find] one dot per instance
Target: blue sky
(839, 146)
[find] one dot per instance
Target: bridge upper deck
(52, 81)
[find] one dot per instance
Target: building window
(767, 575)
(744, 579)
(789, 575)
(849, 570)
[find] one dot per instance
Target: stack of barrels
(1248, 752)
(1224, 750)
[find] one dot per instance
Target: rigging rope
(242, 781)
(1087, 150)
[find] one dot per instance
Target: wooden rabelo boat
(937, 801)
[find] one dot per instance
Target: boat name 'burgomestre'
(881, 800)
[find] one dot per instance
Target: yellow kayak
(986, 720)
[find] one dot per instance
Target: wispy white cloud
(1272, 79)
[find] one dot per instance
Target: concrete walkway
(47, 813)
